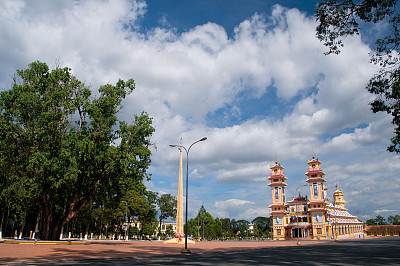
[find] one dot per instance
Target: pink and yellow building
(311, 216)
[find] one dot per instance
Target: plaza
(368, 251)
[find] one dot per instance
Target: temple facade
(312, 216)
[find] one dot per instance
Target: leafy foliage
(59, 143)
(167, 205)
(262, 226)
(379, 220)
(205, 226)
(338, 19)
(394, 220)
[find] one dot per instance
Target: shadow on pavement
(349, 252)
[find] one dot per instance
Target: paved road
(377, 251)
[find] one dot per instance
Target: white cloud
(195, 174)
(376, 133)
(231, 207)
(183, 77)
(385, 211)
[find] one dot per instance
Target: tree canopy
(394, 220)
(379, 220)
(205, 226)
(340, 18)
(61, 146)
(167, 207)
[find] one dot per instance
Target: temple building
(311, 216)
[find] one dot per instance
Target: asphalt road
(377, 251)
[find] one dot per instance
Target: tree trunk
(87, 231)
(3, 214)
(7, 215)
(141, 231)
(159, 230)
(23, 225)
(51, 227)
(37, 224)
(61, 233)
(89, 220)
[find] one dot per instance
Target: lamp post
(297, 217)
(186, 250)
(126, 216)
(203, 228)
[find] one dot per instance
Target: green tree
(149, 221)
(204, 225)
(103, 217)
(209, 226)
(379, 220)
(226, 226)
(60, 143)
(262, 226)
(169, 231)
(243, 226)
(340, 18)
(217, 228)
(137, 204)
(394, 220)
(371, 222)
(167, 206)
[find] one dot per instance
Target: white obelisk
(179, 207)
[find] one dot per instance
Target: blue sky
(248, 75)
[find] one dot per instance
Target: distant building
(383, 230)
(165, 225)
(135, 223)
(251, 229)
(311, 217)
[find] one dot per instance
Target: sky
(249, 75)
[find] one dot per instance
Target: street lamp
(186, 250)
(297, 216)
(126, 216)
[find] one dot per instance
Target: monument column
(179, 207)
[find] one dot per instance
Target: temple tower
(179, 203)
(338, 198)
(317, 203)
(278, 206)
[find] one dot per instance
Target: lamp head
(203, 139)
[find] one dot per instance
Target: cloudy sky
(248, 75)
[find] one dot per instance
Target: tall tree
(217, 228)
(149, 221)
(380, 220)
(243, 226)
(394, 220)
(262, 224)
(61, 143)
(226, 226)
(167, 205)
(340, 18)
